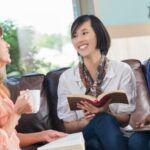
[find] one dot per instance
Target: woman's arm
(76, 125)
(21, 106)
(122, 118)
(27, 139)
(11, 124)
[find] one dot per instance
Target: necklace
(93, 88)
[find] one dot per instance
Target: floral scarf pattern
(93, 87)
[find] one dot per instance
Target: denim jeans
(103, 133)
(139, 141)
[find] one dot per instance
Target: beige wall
(128, 41)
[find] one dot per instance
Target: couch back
(47, 117)
(36, 121)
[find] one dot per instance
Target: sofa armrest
(143, 95)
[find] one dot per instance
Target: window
(39, 34)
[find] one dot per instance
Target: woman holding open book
(10, 113)
(94, 75)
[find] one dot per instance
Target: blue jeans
(139, 141)
(103, 133)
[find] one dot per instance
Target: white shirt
(119, 76)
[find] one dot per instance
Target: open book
(117, 96)
(73, 141)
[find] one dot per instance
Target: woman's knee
(105, 117)
(105, 121)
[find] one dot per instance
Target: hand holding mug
(23, 103)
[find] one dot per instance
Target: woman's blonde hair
(2, 78)
(2, 74)
(2, 69)
(1, 31)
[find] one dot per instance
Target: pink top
(12, 142)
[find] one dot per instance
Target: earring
(80, 58)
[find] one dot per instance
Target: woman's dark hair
(103, 38)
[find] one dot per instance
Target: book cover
(73, 141)
(117, 96)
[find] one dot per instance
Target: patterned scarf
(93, 87)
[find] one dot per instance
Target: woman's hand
(90, 109)
(27, 139)
(146, 121)
(88, 116)
(51, 135)
(23, 103)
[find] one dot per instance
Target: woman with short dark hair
(94, 75)
(102, 36)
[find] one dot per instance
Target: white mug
(35, 97)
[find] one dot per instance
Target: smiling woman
(10, 113)
(95, 74)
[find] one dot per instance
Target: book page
(115, 96)
(71, 142)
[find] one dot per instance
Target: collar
(110, 73)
